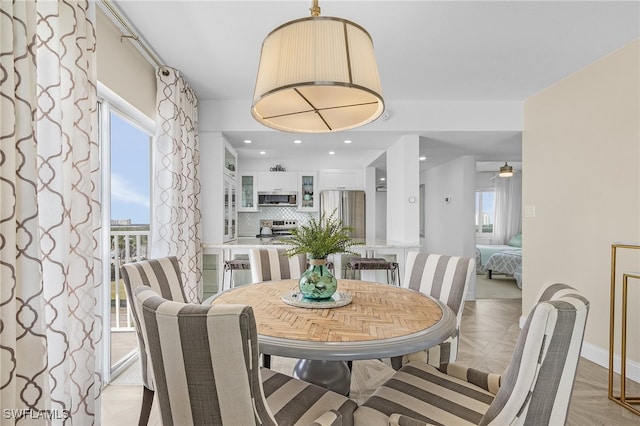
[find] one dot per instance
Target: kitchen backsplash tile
(249, 223)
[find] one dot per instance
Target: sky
(130, 172)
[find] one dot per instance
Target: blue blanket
(486, 251)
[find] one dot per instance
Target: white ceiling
(426, 51)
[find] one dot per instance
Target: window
(130, 172)
(126, 141)
(485, 211)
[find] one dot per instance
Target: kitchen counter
(370, 248)
(242, 243)
(252, 242)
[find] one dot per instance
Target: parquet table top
(381, 319)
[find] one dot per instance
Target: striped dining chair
(205, 364)
(445, 278)
(274, 264)
(271, 265)
(535, 388)
(163, 276)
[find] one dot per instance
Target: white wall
(123, 69)
(212, 159)
(450, 226)
(581, 188)
(233, 115)
(484, 180)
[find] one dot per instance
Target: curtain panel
(508, 205)
(50, 269)
(176, 218)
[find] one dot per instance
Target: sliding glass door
(126, 139)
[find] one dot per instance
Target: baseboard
(600, 356)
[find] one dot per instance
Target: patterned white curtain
(49, 213)
(176, 217)
(508, 221)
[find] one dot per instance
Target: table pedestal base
(333, 375)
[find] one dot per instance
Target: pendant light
(317, 75)
(506, 170)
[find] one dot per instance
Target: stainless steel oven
(276, 229)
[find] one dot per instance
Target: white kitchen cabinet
(277, 181)
(211, 274)
(341, 179)
(307, 188)
(230, 210)
(248, 192)
(217, 159)
(230, 161)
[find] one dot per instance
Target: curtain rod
(151, 56)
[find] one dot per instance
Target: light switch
(447, 199)
(530, 211)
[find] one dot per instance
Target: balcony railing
(126, 246)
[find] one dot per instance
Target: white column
(370, 188)
(403, 179)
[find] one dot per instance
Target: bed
(501, 259)
(507, 262)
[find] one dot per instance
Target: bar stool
(375, 263)
(234, 265)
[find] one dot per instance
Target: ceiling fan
(505, 171)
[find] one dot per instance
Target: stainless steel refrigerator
(349, 206)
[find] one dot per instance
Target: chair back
(162, 275)
(537, 385)
(274, 264)
(205, 362)
(445, 278)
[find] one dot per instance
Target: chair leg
(396, 362)
(266, 361)
(145, 410)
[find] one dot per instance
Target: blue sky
(130, 187)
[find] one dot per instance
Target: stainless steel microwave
(281, 199)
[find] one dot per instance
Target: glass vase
(317, 282)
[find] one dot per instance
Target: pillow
(515, 241)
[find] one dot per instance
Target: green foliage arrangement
(321, 238)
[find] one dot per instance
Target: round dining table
(379, 321)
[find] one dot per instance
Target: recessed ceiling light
(331, 152)
(247, 141)
(383, 179)
(262, 153)
(423, 158)
(347, 141)
(297, 141)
